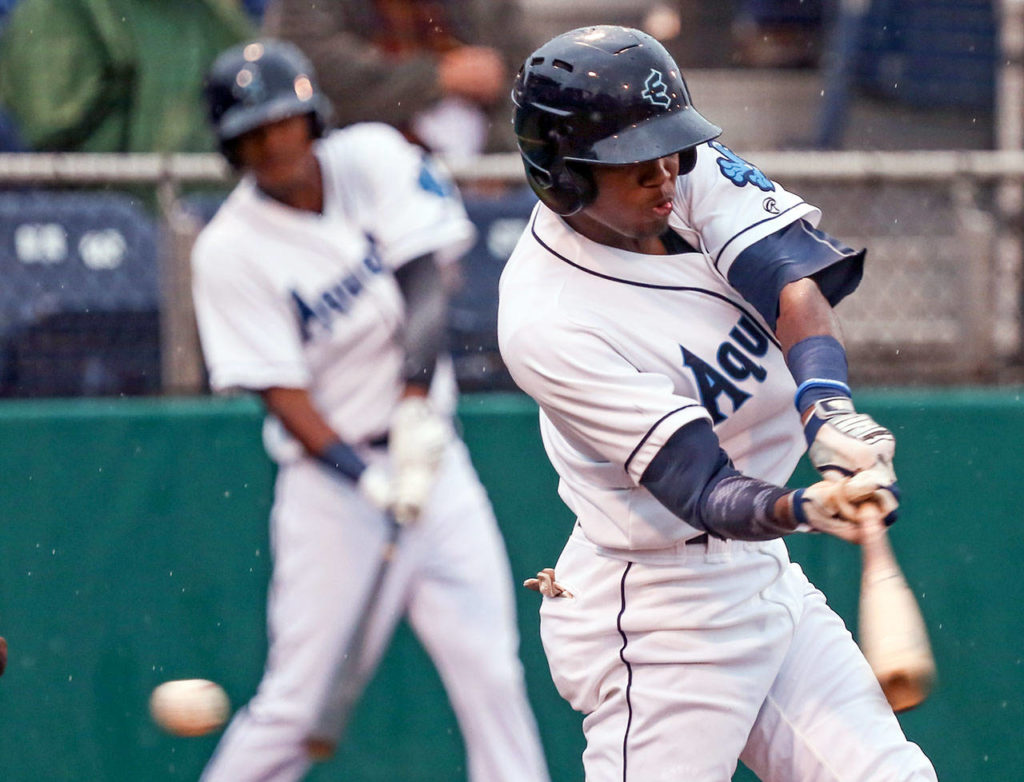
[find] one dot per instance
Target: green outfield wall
(133, 549)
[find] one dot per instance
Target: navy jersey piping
(751, 226)
(629, 668)
(686, 288)
(650, 431)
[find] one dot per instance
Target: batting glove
(841, 440)
(831, 505)
(417, 442)
(375, 485)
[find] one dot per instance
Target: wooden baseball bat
(891, 629)
(345, 681)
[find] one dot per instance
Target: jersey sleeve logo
(655, 90)
(739, 171)
(433, 182)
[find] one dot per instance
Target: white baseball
(189, 707)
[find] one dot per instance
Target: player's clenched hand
(842, 441)
(832, 506)
(417, 442)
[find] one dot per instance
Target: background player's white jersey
(295, 299)
(583, 326)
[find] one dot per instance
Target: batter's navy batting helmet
(604, 94)
(258, 83)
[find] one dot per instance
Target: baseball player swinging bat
(891, 630)
(345, 682)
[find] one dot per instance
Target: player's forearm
(811, 339)
(294, 408)
(804, 312)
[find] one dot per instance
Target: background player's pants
(450, 578)
(694, 657)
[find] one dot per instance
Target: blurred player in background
(438, 70)
(318, 285)
(665, 307)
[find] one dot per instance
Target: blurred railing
(941, 299)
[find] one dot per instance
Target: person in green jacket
(114, 75)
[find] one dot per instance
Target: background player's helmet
(603, 94)
(258, 83)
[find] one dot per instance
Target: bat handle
(876, 551)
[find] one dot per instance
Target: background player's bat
(344, 688)
(891, 629)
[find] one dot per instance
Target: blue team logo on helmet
(739, 171)
(655, 90)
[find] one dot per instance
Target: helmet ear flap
(579, 180)
(565, 189)
(687, 160)
(564, 186)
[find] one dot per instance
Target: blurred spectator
(779, 33)
(255, 8)
(10, 138)
(5, 8)
(439, 70)
(114, 75)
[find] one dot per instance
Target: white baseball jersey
(300, 300)
(683, 657)
(622, 349)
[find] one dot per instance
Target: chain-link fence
(95, 298)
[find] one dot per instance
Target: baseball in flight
(189, 707)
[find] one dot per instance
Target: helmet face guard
(259, 83)
(606, 95)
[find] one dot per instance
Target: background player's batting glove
(416, 443)
(831, 505)
(375, 484)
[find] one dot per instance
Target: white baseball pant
(450, 578)
(684, 660)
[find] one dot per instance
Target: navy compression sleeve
(425, 332)
(693, 477)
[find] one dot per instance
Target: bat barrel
(907, 688)
(891, 631)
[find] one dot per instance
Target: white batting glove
(831, 505)
(375, 485)
(843, 442)
(416, 443)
